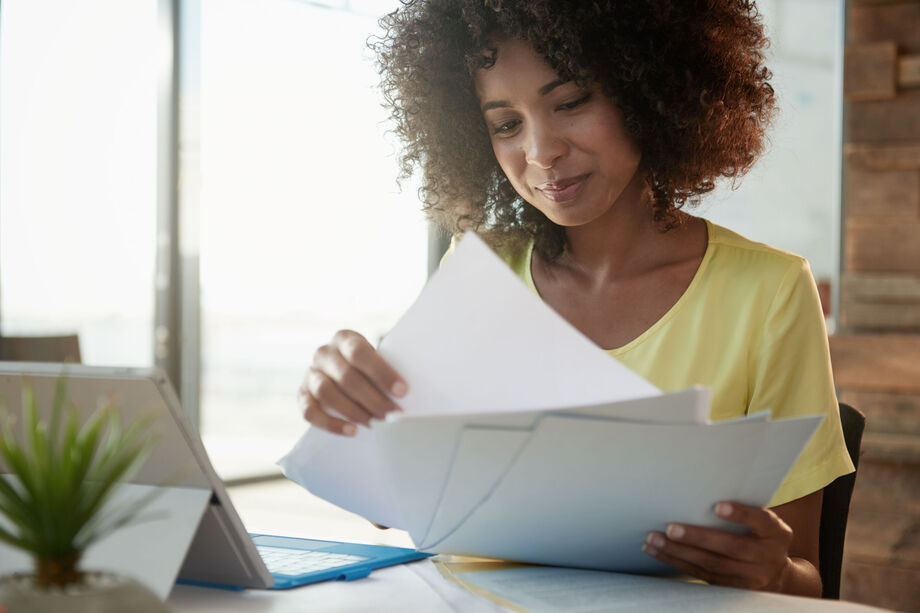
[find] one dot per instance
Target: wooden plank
(884, 244)
(909, 70)
(898, 156)
(870, 71)
(888, 447)
(880, 362)
(875, 301)
(877, 2)
(883, 535)
(880, 316)
(884, 411)
(880, 584)
(882, 192)
(890, 22)
(891, 287)
(897, 119)
(886, 487)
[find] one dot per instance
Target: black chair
(836, 506)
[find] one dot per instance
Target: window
(303, 230)
(295, 215)
(77, 173)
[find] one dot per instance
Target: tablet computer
(221, 552)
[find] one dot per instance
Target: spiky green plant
(64, 474)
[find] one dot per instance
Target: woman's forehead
(517, 69)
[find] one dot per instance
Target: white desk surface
(282, 507)
(285, 508)
(410, 587)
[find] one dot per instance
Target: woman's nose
(543, 146)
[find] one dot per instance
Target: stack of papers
(522, 440)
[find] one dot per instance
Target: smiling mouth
(564, 189)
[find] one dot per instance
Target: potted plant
(62, 475)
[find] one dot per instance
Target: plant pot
(99, 592)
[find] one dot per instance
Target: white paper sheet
(555, 590)
(482, 458)
(586, 494)
(477, 339)
(346, 470)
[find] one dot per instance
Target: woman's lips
(564, 189)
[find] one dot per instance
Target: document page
(540, 589)
(478, 340)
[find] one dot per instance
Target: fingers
(726, 544)
(355, 384)
(319, 418)
(348, 384)
(762, 522)
(695, 570)
(362, 355)
(329, 396)
(700, 561)
(754, 561)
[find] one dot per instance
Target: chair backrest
(836, 506)
(40, 348)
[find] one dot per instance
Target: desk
(284, 508)
(411, 587)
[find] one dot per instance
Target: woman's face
(563, 148)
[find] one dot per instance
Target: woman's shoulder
(744, 258)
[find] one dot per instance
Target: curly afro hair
(688, 77)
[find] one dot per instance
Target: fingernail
(650, 550)
(399, 389)
(349, 430)
(675, 531)
(654, 539)
(723, 509)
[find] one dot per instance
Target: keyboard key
(293, 562)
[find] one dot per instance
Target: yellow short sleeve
(792, 376)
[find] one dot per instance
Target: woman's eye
(506, 127)
(567, 106)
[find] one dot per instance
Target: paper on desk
(541, 589)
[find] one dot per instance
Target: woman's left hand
(758, 561)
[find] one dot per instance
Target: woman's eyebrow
(551, 86)
(497, 104)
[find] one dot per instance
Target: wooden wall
(876, 355)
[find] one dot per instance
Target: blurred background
(209, 186)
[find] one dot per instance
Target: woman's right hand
(347, 384)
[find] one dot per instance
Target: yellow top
(750, 327)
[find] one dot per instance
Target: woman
(571, 135)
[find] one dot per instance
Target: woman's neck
(625, 241)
